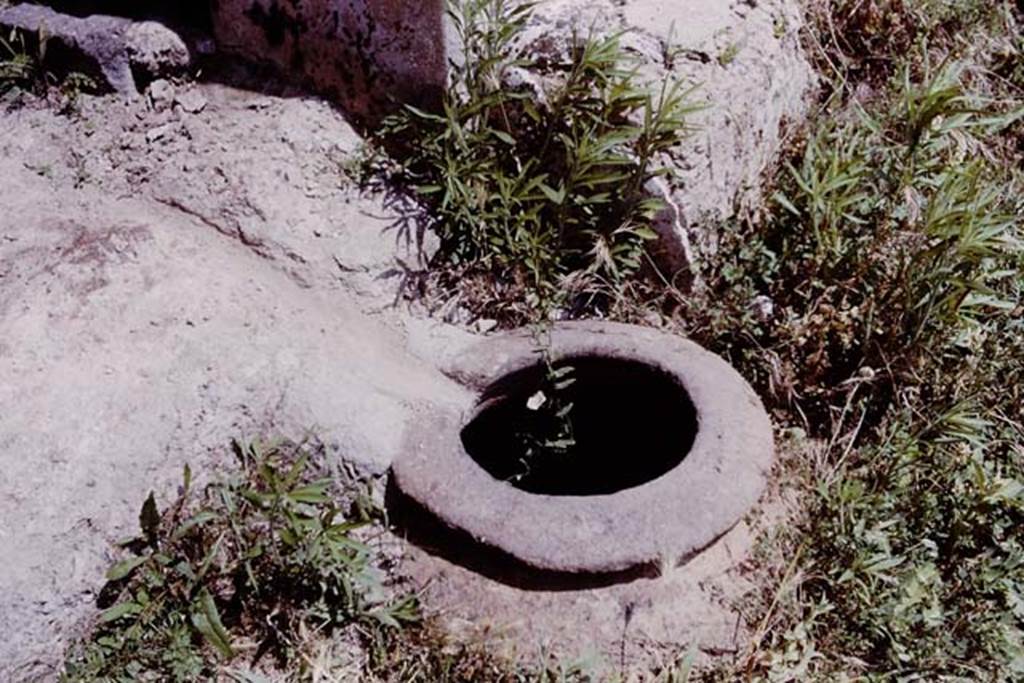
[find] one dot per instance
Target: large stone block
(366, 54)
(117, 53)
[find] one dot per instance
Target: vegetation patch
(535, 172)
(250, 569)
(22, 56)
(271, 573)
(18, 68)
(877, 302)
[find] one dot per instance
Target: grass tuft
(535, 171)
(249, 568)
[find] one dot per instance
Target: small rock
(155, 50)
(112, 50)
(763, 308)
(523, 80)
(160, 132)
(192, 102)
(673, 251)
(484, 325)
(653, 319)
(161, 94)
(93, 44)
(457, 315)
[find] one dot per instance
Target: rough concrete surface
(158, 298)
(613, 629)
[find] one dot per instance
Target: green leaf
(149, 519)
(884, 564)
(645, 234)
(124, 568)
(198, 519)
(207, 621)
(288, 537)
(313, 493)
(385, 619)
(119, 611)
(185, 569)
(503, 136)
(786, 204)
(555, 196)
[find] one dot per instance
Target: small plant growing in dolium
(551, 434)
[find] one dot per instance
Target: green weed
(867, 41)
(535, 171)
(894, 265)
(550, 433)
(894, 238)
(729, 54)
(19, 69)
(22, 59)
(247, 567)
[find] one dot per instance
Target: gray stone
(106, 48)
(161, 94)
(484, 325)
(661, 522)
(672, 252)
(156, 51)
(191, 102)
(762, 307)
(95, 43)
(158, 133)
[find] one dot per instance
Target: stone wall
(366, 54)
